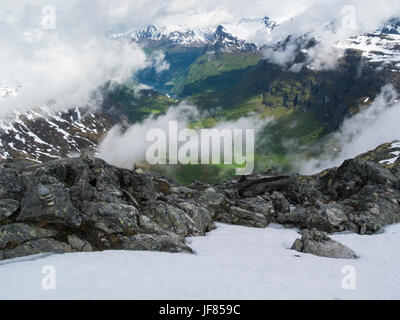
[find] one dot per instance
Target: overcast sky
(67, 61)
(199, 13)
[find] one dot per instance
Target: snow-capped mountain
(380, 48)
(173, 36)
(391, 27)
(43, 135)
(224, 41)
(220, 39)
(238, 35)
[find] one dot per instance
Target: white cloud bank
(64, 66)
(126, 148)
(57, 54)
(329, 21)
(63, 62)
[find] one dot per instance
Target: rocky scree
(85, 204)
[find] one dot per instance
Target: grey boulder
(35, 247)
(7, 208)
(156, 242)
(319, 244)
(18, 233)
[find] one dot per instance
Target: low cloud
(159, 63)
(125, 148)
(328, 22)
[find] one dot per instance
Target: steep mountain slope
(205, 54)
(308, 104)
(381, 49)
(135, 105)
(229, 78)
(43, 135)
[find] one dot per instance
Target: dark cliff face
(84, 204)
(332, 94)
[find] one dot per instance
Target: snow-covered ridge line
(42, 134)
(243, 30)
(377, 48)
(381, 47)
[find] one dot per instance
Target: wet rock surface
(85, 204)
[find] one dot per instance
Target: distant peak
(220, 29)
(392, 26)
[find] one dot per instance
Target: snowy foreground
(231, 262)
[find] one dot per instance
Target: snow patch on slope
(231, 262)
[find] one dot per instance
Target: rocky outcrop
(319, 244)
(85, 204)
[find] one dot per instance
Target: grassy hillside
(167, 81)
(306, 106)
(136, 105)
(215, 71)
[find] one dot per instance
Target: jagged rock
(281, 205)
(11, 184)
(86, 204)
(308, 189)
(211, 197)
(203, 217)
(172, 219)
(78, 244)
(329, 217)
(149, 226)
(164, 184)
(35, 247)
(374, 207)
(198, 185)
(354, 174)
(183, 191)
(140, 186)
(240, 216)
(256, 204)
(18, 233)
(156, 242)
(319, 244)
(82, 190)
(111, 217)
(7, 208)
(62, 211)
(255, 185)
